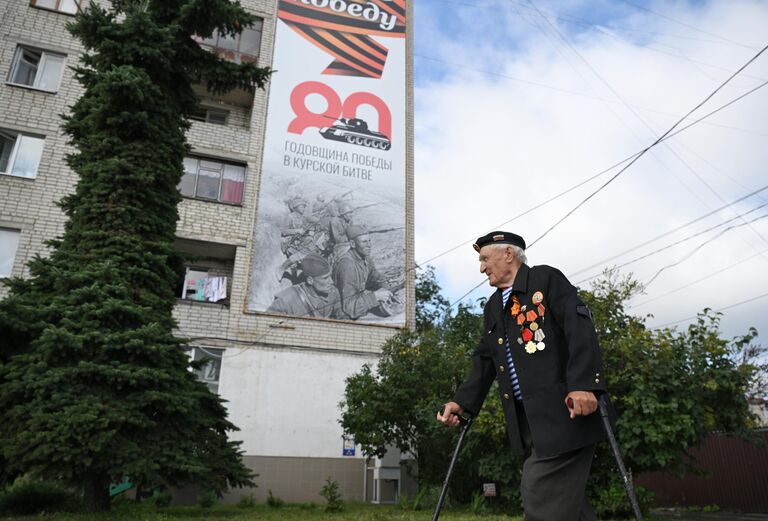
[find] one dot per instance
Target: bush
(162, 499)
(274, 501)
(36, 497)
(612, 502)
(333, 499)
(246, 501)
(478, 504)
(207, 499)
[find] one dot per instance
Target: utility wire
(702, 279)
(718, 310)
(723, 38)
(656, 142)
(573, 92)
(665, 234)
(606, 170)
(642, 120)
(680, 241)
(700, 246)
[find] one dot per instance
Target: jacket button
(506, 396)
(597, 380)
(500, 340)
(501, 368)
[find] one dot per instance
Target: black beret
(499, 238)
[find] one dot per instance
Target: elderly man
(315, 297)
(540, 344)
(357, 279)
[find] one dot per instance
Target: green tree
(670, 388)
(94, 387)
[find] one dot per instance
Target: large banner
(330, 229)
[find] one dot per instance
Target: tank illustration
(355, 131)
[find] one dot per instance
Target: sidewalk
(708, 516)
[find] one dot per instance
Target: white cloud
(489, 147)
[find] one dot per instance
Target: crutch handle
(463, 420)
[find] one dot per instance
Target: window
(37, 69)
(20, 153)
(63, 6)
(210, 115)
(203, 286)
(210, 371)
(213, 180)
(243, 47)
(9, 241)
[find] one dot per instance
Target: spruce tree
(94, 387)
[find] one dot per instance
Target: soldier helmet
(344, 207)
(295, 202)
(356, 230)
(313, 265)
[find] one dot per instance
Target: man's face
(321, 284)
(300, 209)
(363, 244)
(498, 265)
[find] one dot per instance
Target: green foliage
(670, 389)
(162, 498)
(207, 499)
(274, 501)
(93, 384)
(35, 497)
(246, 501)
(610, 501)
(422, 498)
(477, 504)
(333, 499)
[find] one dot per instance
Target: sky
(523, 106)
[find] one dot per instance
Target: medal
(530, 348)
(537, 298)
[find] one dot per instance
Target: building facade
(282, 372)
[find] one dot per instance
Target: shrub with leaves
(333, 499)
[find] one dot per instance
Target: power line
(574, 93)
(656, 142)
(718, 310)
(697, 248)
(678, 242)
(702, 279)
(606, 170)
(688, 25)
(665, 234)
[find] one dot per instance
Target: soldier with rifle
(356, 277)
(315, 297)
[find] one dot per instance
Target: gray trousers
(553, 487)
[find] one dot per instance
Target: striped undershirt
(512, 373)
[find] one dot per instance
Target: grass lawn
(352, 512)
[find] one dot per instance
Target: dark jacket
(569, 361)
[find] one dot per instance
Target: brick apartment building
(282, 375)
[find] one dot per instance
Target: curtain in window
(233, 183)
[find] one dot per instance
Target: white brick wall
(29, 204)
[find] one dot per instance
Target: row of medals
(532, 336)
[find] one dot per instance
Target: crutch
(466, 423)
(601, 403)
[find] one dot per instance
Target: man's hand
(449, 416)
(383, 294)
(581, 403)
